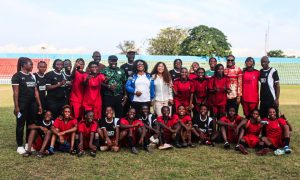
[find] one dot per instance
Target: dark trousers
(232, 103)
(55, 106)
(264, 108)
(115, 102)
(138, 106)
(28, 113)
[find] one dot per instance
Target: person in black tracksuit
(67, 75)
(41, 85)
(56, 89)
(26, 99)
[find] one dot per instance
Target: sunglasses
(230, 60)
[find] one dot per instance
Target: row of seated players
(68, 135)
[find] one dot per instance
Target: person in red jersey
(40, 135)
(218, 87)
(250, 96)
(131, 128)
(183, 89)
(208, 74)
(276, 133)
(234, 74)
(86, 131)
(77, 92)
(193, 70)
(64, 129)
(109, 130)
(229, 129)
(186, 126)
(250, 132)
(169, 129)
(200, 94)
(92, 100)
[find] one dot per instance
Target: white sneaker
(153, 140)
(21, 150)
(165, 146)
(26, 148)
(104, 148)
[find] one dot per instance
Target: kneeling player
(274, 129)
(204, 127)
(229, 125)
(64, 128)
(252, 130)
(169, 129)
(40, 135)
(131, 129)
(109, 130)
(86, 130)
(186, 126)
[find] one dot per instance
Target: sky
(82, 26)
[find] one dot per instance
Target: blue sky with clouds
(82, 26)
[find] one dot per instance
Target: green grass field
(198, 163)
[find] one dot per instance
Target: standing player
(175, 73)
(277, 134)
(26, 99)
(229, 130)
(235, 76)
(183, 91)
(77, 93)
(40, 135)
(86, 131)
(212, 63)
(269, 89)
(201, 89)
(193, 70)
(218, 87)
(97, 58)
(114, 94)
(109, 130)
(132, 129)
(67, 74)
(56, 88)
(251, 133)
(41, 82)
(64, 128)
(128, 67)
(250, 96)
(92, 100)
(204, 126)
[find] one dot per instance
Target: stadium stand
(288, 68)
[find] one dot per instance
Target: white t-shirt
(142, 84)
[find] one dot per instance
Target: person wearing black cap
(114, 94)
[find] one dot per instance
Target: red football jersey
(193, 76)
(136, 121)
(86, 130)
(200, 89)
(236, 121)
(184, 90)
(92, 96)
(250, 86)
(170, 123)
(252, 128)
(62, 126)
(185, 119)
(77, 92)
(219, 98)
(274, 127)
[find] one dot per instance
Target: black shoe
(27, 154)
(40, 154)
(134, 150)
(184, 145)
(93, 153)
(147, 148)
(177, 145)
(226, 145)
(237, 148)
(80, 153)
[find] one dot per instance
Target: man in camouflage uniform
(114, 93)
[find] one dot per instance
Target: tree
(127, 45)
(167, 42)
(276, 53)
(205, 41)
